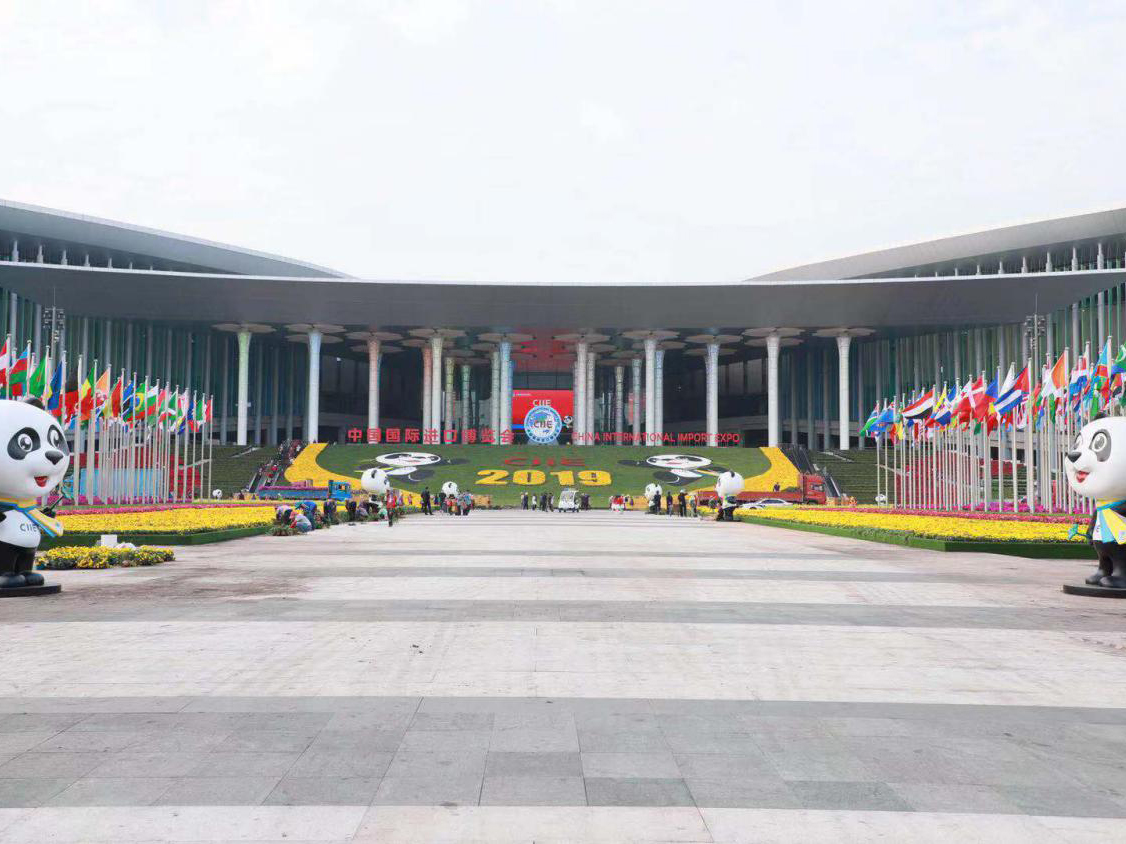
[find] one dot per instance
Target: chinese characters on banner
(478, 436)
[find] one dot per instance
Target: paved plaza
(516, 676)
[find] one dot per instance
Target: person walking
(668, 503)
(426, 509)
(551, 502)
(695, 506)
(524, 500)
(543, 501)
(682, 504)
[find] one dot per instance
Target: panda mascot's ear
(34, 401)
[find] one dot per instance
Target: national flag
(17, 373)
(5, 361)
(37, 381)
(102, 390)
(128, 403)
(1080, 376)
(945, 411)
(918, 408)
(56, 400)
(983, 402)
(1117, 371)
(1014, 392)
(115, 398)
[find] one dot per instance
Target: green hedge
(1040, 550)
(197, 538)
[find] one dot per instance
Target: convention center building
(290, 350)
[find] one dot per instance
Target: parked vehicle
(568, 501)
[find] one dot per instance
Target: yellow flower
(939, 527)
(180, 520)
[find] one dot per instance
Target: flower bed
(938, 533)
(1053, 518)
(151, 508)
(75, 557)
(177, 520)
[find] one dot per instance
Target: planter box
(1035, 550)
(197, 538)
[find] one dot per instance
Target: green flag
(37, 383)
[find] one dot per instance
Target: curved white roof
(1008, 242)
(36, 223)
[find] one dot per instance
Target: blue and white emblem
(543, 424)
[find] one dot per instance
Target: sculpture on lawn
(727, 486)
(1096, 469)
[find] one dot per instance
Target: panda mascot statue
(1096, 469)
(376, 483)
(33, 461)
(653, 496)
(729, 485)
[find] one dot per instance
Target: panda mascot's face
(652, 491)
(729, 483)
(375, 481)
(1096, 463)
(684, 462)
(449, 488)
(33, 451)
(403, 462)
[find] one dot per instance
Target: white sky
(564, 140)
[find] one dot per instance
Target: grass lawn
(504, 472)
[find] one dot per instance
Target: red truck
(811, 491)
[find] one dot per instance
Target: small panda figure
(653, 496)
(375, 482)
(33, 461)
(1096, 468)
(727, 487)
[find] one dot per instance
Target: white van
(568, 501)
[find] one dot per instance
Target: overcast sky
(564, 139)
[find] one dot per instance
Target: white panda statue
(727, 486)
(449, 488)
(216, 494)
(653, 496)
(34, 458)
(375, 482)
(1096, 469)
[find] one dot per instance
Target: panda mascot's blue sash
(49, 526)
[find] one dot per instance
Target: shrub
(70, 557)
(283, 530)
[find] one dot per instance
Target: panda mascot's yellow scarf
(49, 526)
(1112, 525)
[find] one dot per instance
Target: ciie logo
(543, 424)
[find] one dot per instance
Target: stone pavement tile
(288, 721)
(342, 762)
(327, 791)
(851, 796)
(112, 791)
(622, 741)
(93, 741)
(178, 741)
(601, 824)
(1063, 801)
(357, 739)
(910, 759)
(391, 716)
(129, 722)
(223, 723)
(30, 792)
(188, 824)
(563, 738)
(815, 759)
(416, 764)
(533, 791)
(993, 762)
(39, 722)
(13, 744)
(50, 765)
(453, 721)
(947, 797)
(719, 766)
(765, 793)
(453, 789)
(661, 765)
(133, 764)
(609, 791)
(220, 764)
(267, 740)
(217, 791)
(864, 727)
(783, 727)
(516, 764)
(446, 740)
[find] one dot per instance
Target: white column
(436, 384)
(374, 360)
(711, 392)
(591, 358)
(635, 385)
(427, 377)
(313, 400)
(505, 386)
(619, 407)
(659, 391)
(773, 435)
(650, 387)
(843, 341)
(494, 394)
(242, 404)
(580, 423)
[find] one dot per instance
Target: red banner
(562, 401)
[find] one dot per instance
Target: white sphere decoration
(375, 481)
(449, 488)
(652, 491)
(216, 493)
(729, 483)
